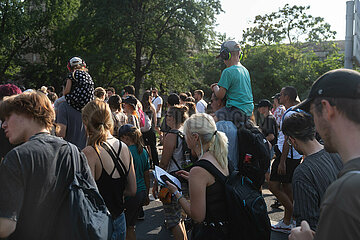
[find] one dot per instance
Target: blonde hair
(204, 125)
(98, 120)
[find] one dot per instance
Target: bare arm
(147, 184)
(270, 137)
(219, 92)
(168, 149)
(284, 153)
(88, 151)
(7, 227)
(67, 88)
(196, 208)
(154, 113)
(62, 130)
(130, 189)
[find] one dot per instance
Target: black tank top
(216, 210)
(112, 189)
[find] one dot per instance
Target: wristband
(178, 198)
(176, 192)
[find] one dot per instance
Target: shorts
(173, 213)
(133, 206)
(291, 164)
(119, 228)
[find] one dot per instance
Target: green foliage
(291, 24)
(276, 66)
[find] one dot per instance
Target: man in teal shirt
(235, 82)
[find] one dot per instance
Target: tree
(24, 29)
(291, 24)
(144, 40)
(276, 66)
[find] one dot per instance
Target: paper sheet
(159, 172)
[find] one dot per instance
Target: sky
(238, 14)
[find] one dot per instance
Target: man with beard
(334, 101)
(317, 171)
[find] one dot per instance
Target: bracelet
(176, 192)
(178, 198)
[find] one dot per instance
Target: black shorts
(291, 164)
(133, 206)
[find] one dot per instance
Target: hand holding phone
(166, 178)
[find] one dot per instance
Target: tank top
(216, 209)
(112, 189)
(176, 156)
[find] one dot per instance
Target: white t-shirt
(281, 137)
(201, 106)
(156, 101)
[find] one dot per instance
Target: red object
(248, 158)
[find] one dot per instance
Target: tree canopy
(290, 24)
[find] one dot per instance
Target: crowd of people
(313, 147)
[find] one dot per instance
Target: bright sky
(238, 15)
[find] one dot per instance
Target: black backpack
(254, 153)
(247, 211)
(186, 152)
(83, 210)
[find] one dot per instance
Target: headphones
(225, 54)
(75, 58)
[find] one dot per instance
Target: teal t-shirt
(236, 81)
(141, 164)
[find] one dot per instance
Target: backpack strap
(208, 166)
(177, 132)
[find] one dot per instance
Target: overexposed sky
(238, 15)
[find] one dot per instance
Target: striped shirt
(310, 180)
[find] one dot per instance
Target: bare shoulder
(199, 173)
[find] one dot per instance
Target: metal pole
(349, 34)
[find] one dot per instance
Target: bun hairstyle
(204, 125)
(180, 113)
(98, 120)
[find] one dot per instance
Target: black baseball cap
(264, 103)
(130, 100)
(339, 83)
(125, 129)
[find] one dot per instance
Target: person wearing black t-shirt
(268, 126)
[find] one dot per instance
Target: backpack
(141, 115)
(254, 153)
(83, 210)
(188, 160)
(246, 207)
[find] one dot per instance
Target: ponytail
(204, 125)
(98, 120)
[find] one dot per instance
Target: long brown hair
(136, 137)
(97, 118)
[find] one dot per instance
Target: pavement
(153, 228)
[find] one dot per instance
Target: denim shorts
(119, 228)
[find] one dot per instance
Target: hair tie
(215, 133)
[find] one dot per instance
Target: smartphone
(166, 178)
